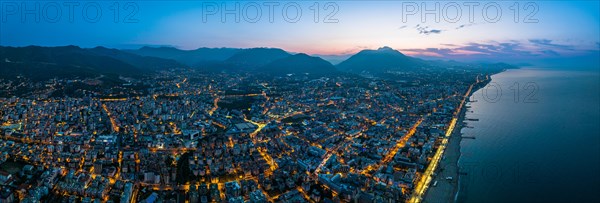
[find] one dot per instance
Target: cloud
(498, 48)
(506, 51)
(432, 31)
(353, 50)
(548, 43)
(465, 25)
(449, 45)
(433, 52)
(426, 31)
(550, 53)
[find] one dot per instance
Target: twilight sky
(465, 30)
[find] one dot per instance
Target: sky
(521, 30)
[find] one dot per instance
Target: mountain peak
(380, 60)
(388, 50)
(102, 48)
(385, 48)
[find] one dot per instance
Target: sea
(536, 138)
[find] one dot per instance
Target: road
(263, 153)
(399, 144)
(113, 123)
(332, 151)
(427, 176)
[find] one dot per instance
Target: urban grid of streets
(237, 137)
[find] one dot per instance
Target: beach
(446, 188)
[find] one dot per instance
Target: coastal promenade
(445, 190)
(427, 178)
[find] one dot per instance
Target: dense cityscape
(230, 101)
(184, 135)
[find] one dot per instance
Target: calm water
(541, 144)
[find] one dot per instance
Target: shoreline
(447, 190)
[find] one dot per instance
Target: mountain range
(256, 57)
(72, 61)
(190, 58)
(380, 60)
(41, 63)
(300, 63)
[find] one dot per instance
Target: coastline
(447, 190)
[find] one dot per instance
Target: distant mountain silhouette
(193, 58)
(255, 57)
(41, 63)
(141, 62)
(333, 58)
(380, 60)
(299, 63)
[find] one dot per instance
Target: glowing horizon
(539, 29)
